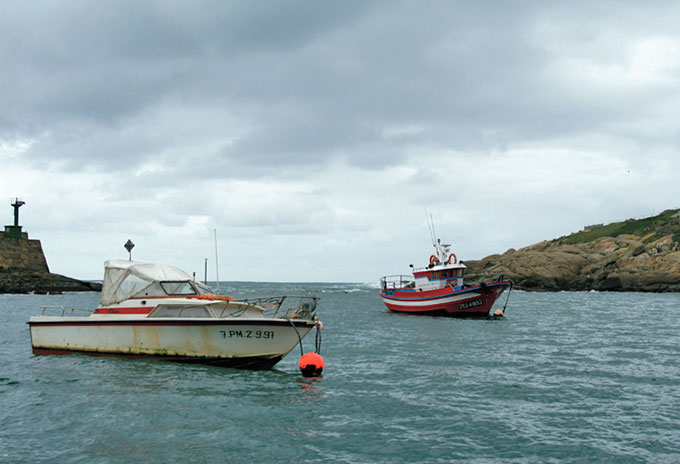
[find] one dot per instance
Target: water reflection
(311, 389)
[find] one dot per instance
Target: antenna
(430, 225)
(441, 223)
(434, 233)
(217, 266)
(205, 275)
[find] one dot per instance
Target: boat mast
(217, 266)
(441, 250)
(430, 225)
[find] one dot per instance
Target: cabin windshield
(178, 288)
(202, 288)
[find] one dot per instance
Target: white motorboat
(159, 311)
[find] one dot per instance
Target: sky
(307, 141)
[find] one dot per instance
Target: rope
(507, 297)
(298, 334)
(317, 340)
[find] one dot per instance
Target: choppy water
(565, 377)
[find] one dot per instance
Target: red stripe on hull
(145, 310)
(249, 362)
(478, 304)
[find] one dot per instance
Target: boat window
(154, 289)
(132, 284)
(178, 288)
(194, 311)
(180, 311)
(202, 288)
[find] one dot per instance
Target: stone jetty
(23, 267)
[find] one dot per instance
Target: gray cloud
(314, 80)
(310, 117)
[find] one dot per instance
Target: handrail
(395, 282)
(300, 307)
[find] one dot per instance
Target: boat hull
(254, 343)
(474, 301)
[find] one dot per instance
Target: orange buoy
(498, 313)
(311, 364)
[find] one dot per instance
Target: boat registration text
(471, 304)
(247, 333)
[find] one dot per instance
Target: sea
(568, 377)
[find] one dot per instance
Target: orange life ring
(208, 296)
(434, 260)
(455, 260)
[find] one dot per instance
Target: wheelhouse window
(178, 288)
(181, 311)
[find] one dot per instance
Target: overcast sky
(313, 135)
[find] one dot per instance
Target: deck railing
(62, 310)
(283, 307)
(397, 282)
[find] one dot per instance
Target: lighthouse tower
(17, 252)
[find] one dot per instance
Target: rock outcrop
(22, 281)
(635, 255)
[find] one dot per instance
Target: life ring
(208, 296)
(455, 260)
(434, 260)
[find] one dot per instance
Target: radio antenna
(430, 225)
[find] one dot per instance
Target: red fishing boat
(439, 290)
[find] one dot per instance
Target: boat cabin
(439, 276)
(125, 280)
(443, 271)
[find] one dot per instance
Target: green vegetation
(652, 228)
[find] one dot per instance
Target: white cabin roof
(124, 279)
(150, 271)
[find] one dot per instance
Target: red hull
(474, 301)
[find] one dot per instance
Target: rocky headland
(635, 255)
(23, 281)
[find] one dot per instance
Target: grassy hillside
(648, 229)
